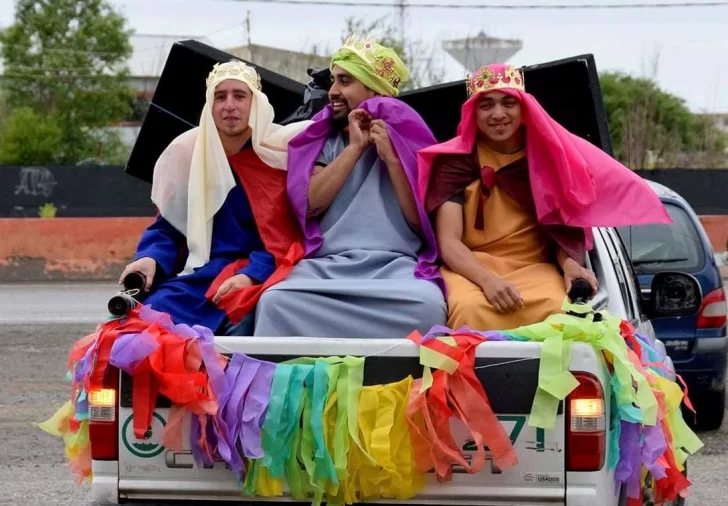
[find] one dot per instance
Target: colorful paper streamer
(310, 427)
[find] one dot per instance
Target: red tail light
(586, 436)
(104, 418)
(714, 311)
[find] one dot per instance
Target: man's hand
(146, 266)
(574, 271)
(359, 121)
(237, 282)
(502, 295)
(379, 136)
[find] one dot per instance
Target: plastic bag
(315, 97)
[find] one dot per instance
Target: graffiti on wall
(35, 182)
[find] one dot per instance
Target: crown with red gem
(496, 76)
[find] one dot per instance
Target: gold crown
(375, 55)
(495, 77)
(234, 70)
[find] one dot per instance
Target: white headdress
(192, 177)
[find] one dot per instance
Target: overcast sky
(692, 42)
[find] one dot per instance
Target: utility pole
(247, 33)
(402, 14)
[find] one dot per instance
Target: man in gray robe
(370, 266)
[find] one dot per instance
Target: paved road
(38, 323)
(55, 302)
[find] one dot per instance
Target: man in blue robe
(211, 210)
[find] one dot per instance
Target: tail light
(714, 311)
(586, 421)
(103, 424)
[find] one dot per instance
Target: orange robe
(513, 246)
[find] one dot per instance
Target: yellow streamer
(385, 436)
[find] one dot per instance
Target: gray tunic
(361, 281)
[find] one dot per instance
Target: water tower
(474, 52)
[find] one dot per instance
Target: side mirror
(673, 294)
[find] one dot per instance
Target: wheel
(710, 408)
(648, 493)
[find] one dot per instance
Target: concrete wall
(36, 249)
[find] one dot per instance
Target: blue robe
(234, 236)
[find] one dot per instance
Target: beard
(341, 120)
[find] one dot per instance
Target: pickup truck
(564, 466)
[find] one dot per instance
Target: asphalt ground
(38, 324)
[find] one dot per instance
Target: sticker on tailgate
(518, 422)
(151, 445)
(550, 478)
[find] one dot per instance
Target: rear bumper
(105, 485)
(711, 346)
(705, 370)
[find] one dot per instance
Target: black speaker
(567, 89)
(180, 96)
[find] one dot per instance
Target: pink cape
(573, 182)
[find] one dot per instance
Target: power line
(434, 5)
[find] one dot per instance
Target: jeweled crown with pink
(496, 76)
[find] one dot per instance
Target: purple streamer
(629, 467)
(129, 350)
(229, 407)
(255, 409)
(218, 431)
(83, 366)
(201, 459)
(442, 329)
(151, 316)
(654, 447)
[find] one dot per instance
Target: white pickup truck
(563, 466)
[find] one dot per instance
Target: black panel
(180, 96)
(75, 191)
(439, 106)
(569, 91)
(510, 388)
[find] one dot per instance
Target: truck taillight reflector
(586, 425)
(102, 405)
(103, 425)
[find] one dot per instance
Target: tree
(66, 61)
(29, 138)
(652, 128)
(416, 54)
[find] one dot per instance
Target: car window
(674, 246)
(630, 277)
(614, 258)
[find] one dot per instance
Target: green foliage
(29, 138)
(66, 60)
(650, 127)
(47, 210)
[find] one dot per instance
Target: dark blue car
(697, 344)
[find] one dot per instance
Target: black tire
(710, 407)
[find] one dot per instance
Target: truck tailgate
(508, 371)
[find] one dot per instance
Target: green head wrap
(377, 67)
